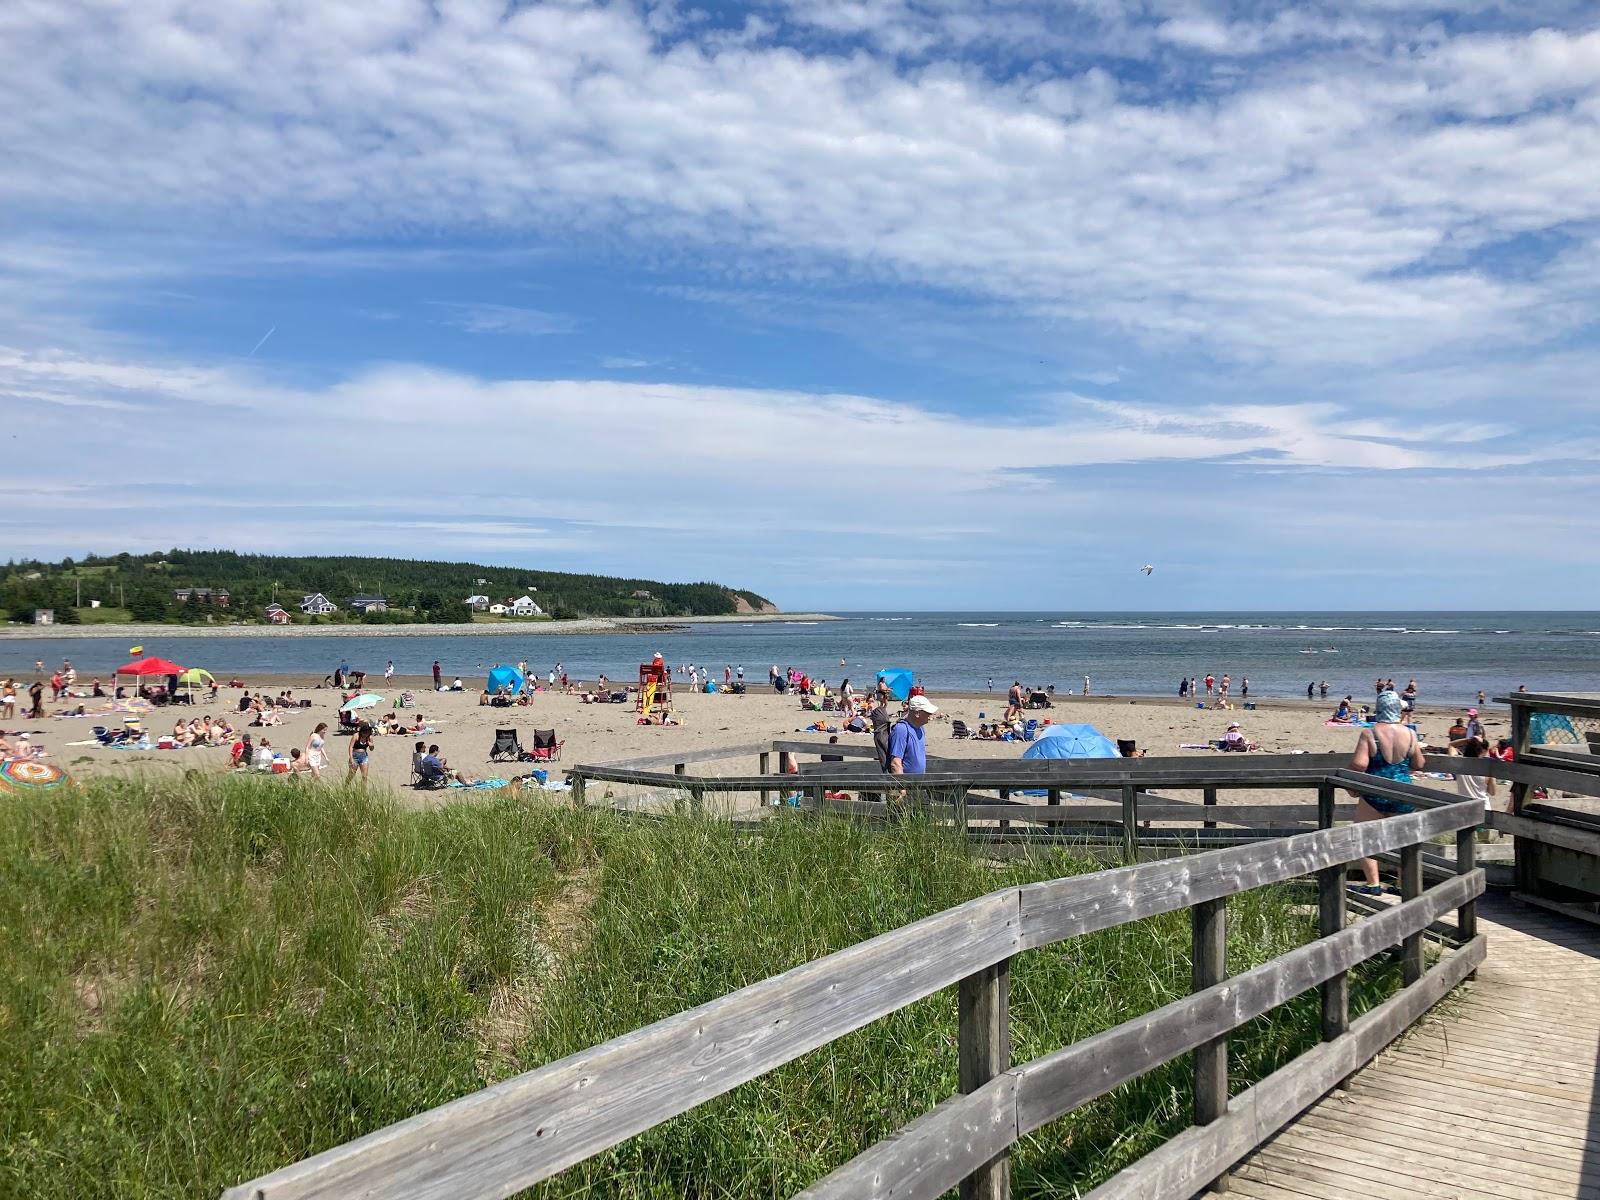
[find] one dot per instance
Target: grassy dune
(209, 979)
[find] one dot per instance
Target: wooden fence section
(509, 1136)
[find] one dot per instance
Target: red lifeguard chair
(655, 687)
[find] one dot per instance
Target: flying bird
(1148, 568)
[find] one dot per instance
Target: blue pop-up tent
(1071, 741)
(899, 680)
(509, 677)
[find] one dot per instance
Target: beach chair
(958, 729)
(430, 777)
(506, 748)
(545, 747)
(1029, 729)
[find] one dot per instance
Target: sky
(927, 304)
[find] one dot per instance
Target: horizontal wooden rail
(930, 1155)
(511, 1135)
(1226, 814)
(1058, 909)
(497, 1141)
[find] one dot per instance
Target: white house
(524, 606)
(318, 605)
(478, 603)
(498, 610)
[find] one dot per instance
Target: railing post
(577, 782)
(1523, 870)
(1210, 967)
(1410, 889)
(1209, 799)
(763, 762)
(1005, 795)
(1332, 915)
(1130, 822)
(1053, 796)
(1466, 861)
(984, 1048)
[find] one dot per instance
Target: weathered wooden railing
(1558, 839)
(496, 1141)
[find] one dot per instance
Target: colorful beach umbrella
(365, 700)
(196, 675)
(150, 666)
(30, 775)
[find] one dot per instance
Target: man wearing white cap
(907, 751)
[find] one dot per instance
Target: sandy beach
(607, 732)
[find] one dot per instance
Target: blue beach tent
(1072, 741)
(899, 680)
(506, 677)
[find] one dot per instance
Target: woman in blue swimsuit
(1391, 751)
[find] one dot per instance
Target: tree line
(423, 590)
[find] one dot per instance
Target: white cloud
(505, 319)
(1291, 215)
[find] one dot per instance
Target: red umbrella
(150, 666)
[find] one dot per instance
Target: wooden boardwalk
(1494, 1097)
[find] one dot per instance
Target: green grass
(103, 616)
(209, 979)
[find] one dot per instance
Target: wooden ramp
(1494, 1097)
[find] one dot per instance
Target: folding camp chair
(1029, 729)
(545, 747)
(506, 748)
(958, 729)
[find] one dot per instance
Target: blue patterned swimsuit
(1397, 772)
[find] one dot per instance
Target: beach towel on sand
(483, 785)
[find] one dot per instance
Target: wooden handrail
(511, 1135)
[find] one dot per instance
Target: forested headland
(146, 588)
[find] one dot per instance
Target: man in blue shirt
(907, 752)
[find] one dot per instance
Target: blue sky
(922, 303)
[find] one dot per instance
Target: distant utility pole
(79, 604)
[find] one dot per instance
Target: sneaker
(1366, 889)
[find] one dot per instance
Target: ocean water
(1451, 654)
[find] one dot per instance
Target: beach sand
(604, 733)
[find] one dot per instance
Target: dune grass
(210, 978)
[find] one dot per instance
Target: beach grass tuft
(212, 977)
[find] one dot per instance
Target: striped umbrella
(29, 774)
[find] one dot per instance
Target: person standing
(1183, 687)
(1085, 685)
(1311, 689)
(388, 671)
(991, 683)
(1244, 688)
(361, 750)
(36, 695)
(739, 673)
(316, 757)
(1014, 701)
(1389, 750)
(1211, 682)
(908, 753)
(438, 676)
(1323, 688)
(1226, 682)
